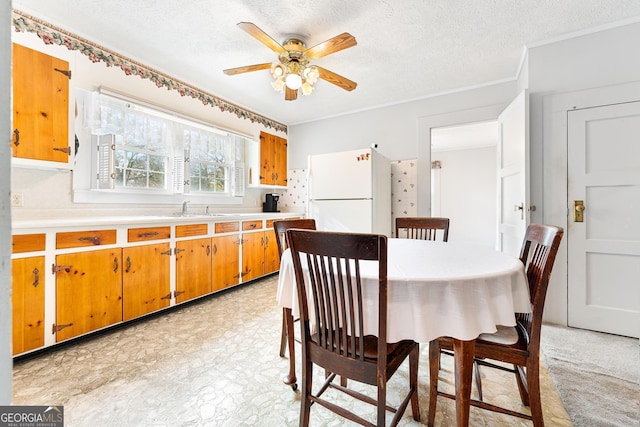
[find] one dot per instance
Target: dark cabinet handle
(16, 140)
(115, 265)
(149, 234)
(95, 240)
(128, 267)
(36, 277)
(208, 250)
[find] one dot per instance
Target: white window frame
(91, 185)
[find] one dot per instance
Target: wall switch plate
(17, 200)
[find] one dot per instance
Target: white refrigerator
(350, 191)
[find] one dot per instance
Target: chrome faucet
(184, 207)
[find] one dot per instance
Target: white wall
(402, 131)
(467, 193)
(394, 128)
(5, 209)
(50, 191)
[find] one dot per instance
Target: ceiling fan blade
(290, 94)
(337, 79)
(247, 68)
(333, 45)
(262, 37)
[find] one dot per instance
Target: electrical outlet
(17, 200)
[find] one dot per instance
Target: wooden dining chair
(330, 288)
(518, 345)
(280, 228)
(423, 228)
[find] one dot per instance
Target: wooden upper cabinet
(40, 106)
(273, 160)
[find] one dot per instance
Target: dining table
(435, 289)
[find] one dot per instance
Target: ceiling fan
(292, 70)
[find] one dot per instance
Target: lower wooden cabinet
(259, 254)
(193, 269)
(252, 255)
(225, 262)
(86, 287)
(88, 292)
(27, 299)
(146, 280)
(271, 256)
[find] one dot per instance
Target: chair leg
(305, 393)
(476, 372)
(434, 368)
(283, 335)
(414, 361)
(382, 402)
(290, 378)
(533, 385)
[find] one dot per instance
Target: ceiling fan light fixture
(292, 70)
(311, 74)
(278, 85)
(293, 81)
(277, 70)
(307, 88)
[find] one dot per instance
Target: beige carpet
(596, 375)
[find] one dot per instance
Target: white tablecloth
(436, 289)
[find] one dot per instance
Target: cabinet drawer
(191, 230)
(148, 233)
(251, 225)
(226, 227)
(77, 239)
(27, 243)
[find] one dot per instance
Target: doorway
(463, 180)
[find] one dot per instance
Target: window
(208, 158)
(139, 149)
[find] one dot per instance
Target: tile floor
(215, 363)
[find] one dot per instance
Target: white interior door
(604, 249)
(513, 174)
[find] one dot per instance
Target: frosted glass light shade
(293, 81)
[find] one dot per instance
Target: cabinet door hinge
(66, 150)
(167, 252)
(167, 296)
(65, 72)
(57, 268)
(177, 251)
(176, 293)
(56, 328)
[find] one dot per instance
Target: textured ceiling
(407, 49)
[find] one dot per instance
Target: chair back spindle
(423, 228)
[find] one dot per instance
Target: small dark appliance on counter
(271, 203)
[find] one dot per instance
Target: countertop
(100, 221)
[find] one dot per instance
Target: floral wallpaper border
(96, 53)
